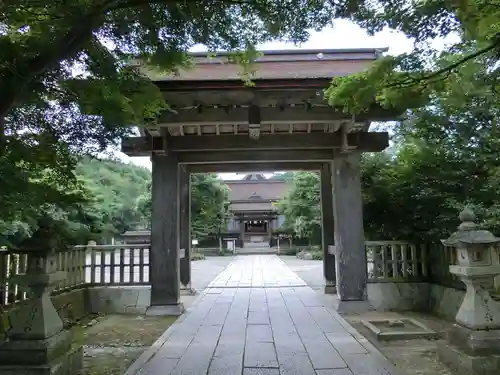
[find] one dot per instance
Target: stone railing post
(36, 340)
(473, 343)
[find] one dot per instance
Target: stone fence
(127, 265)
(86, 266)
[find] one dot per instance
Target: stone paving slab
(253, 271)
(286, 329)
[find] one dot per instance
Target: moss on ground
(113, 342)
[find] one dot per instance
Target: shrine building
(252, 211)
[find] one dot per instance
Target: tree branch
(138, 3)
(446, 69)
(16, 79)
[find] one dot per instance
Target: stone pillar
(242, 233)
(164, 257)
(327, 228)
(185, 228)
(350, 254)
(37, 342)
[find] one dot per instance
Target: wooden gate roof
(286, 99)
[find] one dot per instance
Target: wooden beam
(363, 141)
(268, 115)
(254, 167)
(254, 120)
(259, 156)
(238, 84)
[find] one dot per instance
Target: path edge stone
(372, 349)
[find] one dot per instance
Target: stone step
(255, 250)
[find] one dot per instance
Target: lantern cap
(468, 232)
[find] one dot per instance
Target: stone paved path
(257, 271)
(259, 318)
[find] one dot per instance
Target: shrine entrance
(255, 226)
(282, 122)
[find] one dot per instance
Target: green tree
(408, 80)
(282, 176)
(301, 207)
(115, 188)
(108, 190)
(43, 41)
(446, 157)
(209, 205)
(68, 88)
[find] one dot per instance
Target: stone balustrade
(128, 265)
(396, 261)
(85, 266)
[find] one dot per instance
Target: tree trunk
(2, 136)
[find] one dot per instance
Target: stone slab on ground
(311, 271)
(399, 329)
(167, 310)
(257, 271)
(412, 357)
(258, 317)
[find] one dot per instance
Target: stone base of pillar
(471, 351)
(188, 291)
(466, 363)
(37, 343)
(165, 310)
(352, 307)
(53, 355)
(330, 287)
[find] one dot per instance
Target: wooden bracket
(254, 120)
(344, 145)
(153, 130)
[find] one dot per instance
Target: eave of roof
(301, 51)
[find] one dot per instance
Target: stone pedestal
(471, 351)
(473, 344)
(37, 342)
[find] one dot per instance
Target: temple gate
(281, 123)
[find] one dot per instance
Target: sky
(344, 34)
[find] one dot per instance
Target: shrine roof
(239, 207)
(212, 110)
(272, 64)
(256, 191)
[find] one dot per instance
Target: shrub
(289, 251)
(197, 256)
(317, 255)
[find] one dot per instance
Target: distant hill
(117, 187)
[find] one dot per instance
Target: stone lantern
(37, 342)
(474, 341)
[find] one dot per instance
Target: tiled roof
(257, 206)
(268, 189)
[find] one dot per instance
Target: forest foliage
(68, 90)
(118, 199)
(444, 156)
